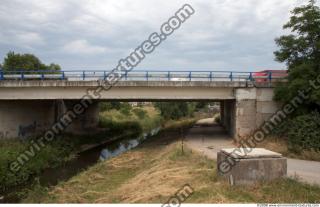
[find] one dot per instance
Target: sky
(95, 34)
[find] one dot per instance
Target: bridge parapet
(151, 75)
(66, 83)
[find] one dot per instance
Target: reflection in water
(125, 145)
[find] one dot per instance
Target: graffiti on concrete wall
(28, 130)
(4, 134)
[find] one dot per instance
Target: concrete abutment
(248, 111)
(31, 118)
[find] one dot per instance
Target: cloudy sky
(95, 34)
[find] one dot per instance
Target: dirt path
(208, 138)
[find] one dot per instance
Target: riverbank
(68, 155)
(64, 150)
(157, 169)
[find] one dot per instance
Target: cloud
(223, 34)
(83, 47)
(29, 38)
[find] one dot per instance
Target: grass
(155, 171)
(280, 145)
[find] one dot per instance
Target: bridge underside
(29, 108)
(119, 93)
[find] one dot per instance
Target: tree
(26, 62)
(301, 52)
(175, 110)
(54, 67)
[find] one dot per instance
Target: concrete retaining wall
(24, 119)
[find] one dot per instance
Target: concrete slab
(250, 153)
(260, 166)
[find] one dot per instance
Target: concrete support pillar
(245, 112)
(85, 123)
(266, 106)
(254, 106)
(228, 114)
(245, 117)
(222, 113)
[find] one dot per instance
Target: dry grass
(157, 169)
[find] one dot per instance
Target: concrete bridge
(32, 103)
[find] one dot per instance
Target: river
(52, 176)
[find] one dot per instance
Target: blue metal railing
(150, 75)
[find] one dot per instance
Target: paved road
(208, 138)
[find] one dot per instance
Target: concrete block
(267, 107)
(246, 168)
(265, 94)
(245, 93)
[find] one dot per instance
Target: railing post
(231, 76)
(1, 75)
(251, 77)
(168, 75)
(83, 75)
(126, 75)
(147, 75)
(270, 76)
(190, 76)
(104, 75)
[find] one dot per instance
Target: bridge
(31, 102)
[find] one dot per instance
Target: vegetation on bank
(118, 115)
(65, 147)
(297, 137)
(175, 110)
(300, 50)
(116, 120)
(157, 169)
(61, 150)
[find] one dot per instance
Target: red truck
(270, 75)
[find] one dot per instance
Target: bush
(175, 110)
(51, 155)
(304, 133)
(106, 106)
(217, 119)
(282, 129)
(140, 113)
(125, 109)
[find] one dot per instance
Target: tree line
(25, 62)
